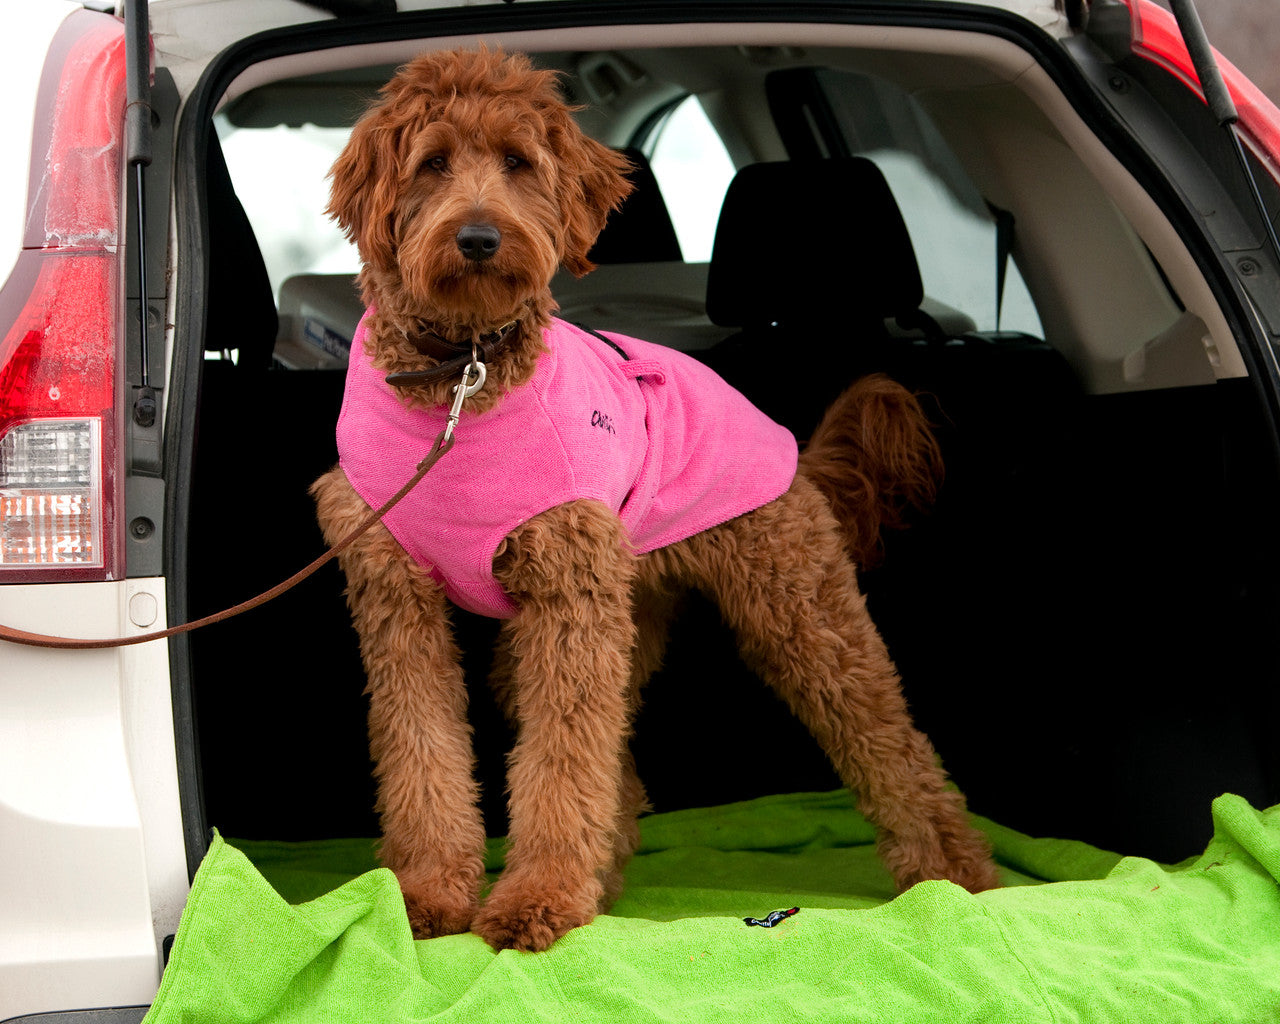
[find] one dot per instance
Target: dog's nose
(479, 242)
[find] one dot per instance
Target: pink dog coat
(653, 434)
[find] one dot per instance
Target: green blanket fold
(1077, 934)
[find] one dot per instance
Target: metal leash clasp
(473, 376)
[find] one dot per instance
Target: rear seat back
(814, 267)
(809, 244)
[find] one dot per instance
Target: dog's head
(469, 183)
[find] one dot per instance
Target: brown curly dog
(465, 188)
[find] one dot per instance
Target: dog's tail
(875, 458)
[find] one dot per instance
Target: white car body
(92, 870)
(94, 862)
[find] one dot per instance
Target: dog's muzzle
(478, 242)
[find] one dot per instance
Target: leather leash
(443, 442)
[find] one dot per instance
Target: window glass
(955, 246)
(280, 175)
(693, 170)
(952, 230)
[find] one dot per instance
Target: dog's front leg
(570, 570)
(433, 833)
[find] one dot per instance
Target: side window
(693, 170)
(280, 174)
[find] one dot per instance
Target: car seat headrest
(640, 231)
(807, 242)
(240, 304)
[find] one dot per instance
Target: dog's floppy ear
(364, 182)
(593, 184)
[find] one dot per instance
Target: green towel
(1106, 938)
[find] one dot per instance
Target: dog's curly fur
(461, 138)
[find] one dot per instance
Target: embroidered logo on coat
(602, 420)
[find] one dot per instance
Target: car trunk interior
(1080, 623)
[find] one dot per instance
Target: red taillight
(59, 407)
(1155, 37)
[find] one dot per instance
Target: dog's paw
(976, 872)
(532, 921)
(961, 855)
(435, 910)
(969, 861)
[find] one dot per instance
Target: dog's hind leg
(790, 593)
(570, 571)
(433, 834)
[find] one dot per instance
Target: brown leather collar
(454, 356)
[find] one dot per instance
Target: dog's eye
(437, 163)
(514, 162)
